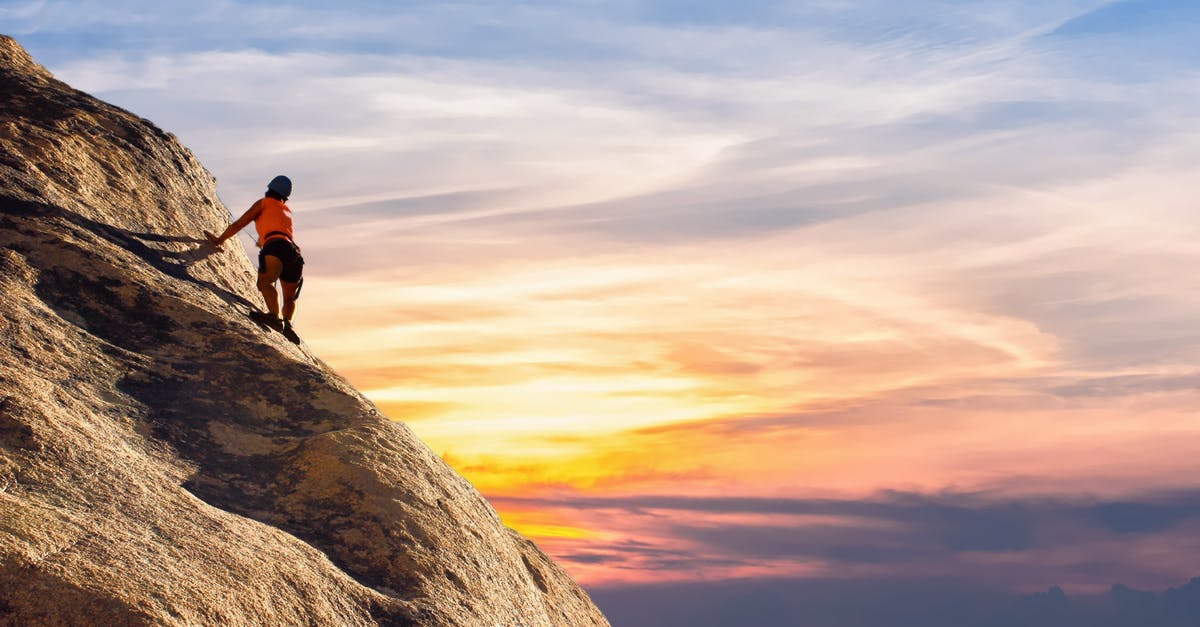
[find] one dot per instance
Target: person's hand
(213, 240)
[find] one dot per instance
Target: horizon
(703, 295)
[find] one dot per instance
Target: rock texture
(165, 461)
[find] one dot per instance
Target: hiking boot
(267, 320)
(289, 332)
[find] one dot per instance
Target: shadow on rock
(171, 263)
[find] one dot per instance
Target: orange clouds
(775, 365)
(605, 345)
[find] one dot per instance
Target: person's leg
(268, 274)
(289, 298)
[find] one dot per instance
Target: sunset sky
(733, 291)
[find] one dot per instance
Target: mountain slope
(165, 461)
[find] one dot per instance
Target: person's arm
(238, 225)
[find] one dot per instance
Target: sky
(717, 295)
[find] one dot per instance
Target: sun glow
(612, 371)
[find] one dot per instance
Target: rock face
(165, 461)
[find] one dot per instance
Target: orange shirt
(273, 216)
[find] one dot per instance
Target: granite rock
(164, 460)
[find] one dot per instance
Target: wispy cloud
(819, 248)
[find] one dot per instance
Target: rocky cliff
(165, 461)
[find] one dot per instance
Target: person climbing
(278, 258)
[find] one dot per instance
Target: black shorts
(288, 253)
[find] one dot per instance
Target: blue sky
(927, 265)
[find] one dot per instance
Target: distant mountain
(899, 603)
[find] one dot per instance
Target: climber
(279, 258)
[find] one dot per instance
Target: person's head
(279, 188)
